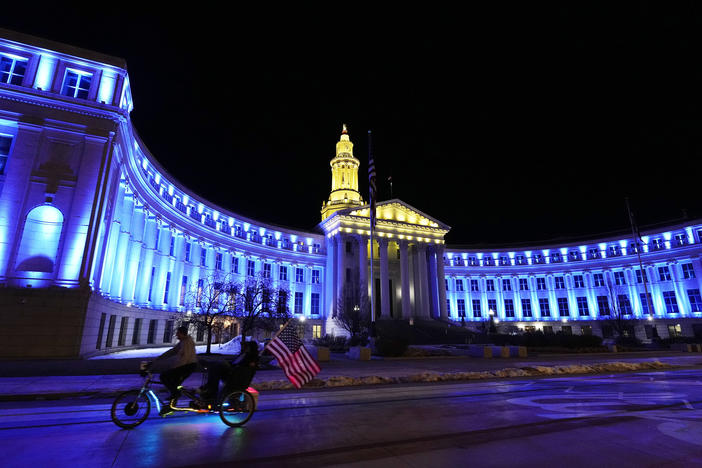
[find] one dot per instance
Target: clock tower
(344, 168)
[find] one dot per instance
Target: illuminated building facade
(99, 244)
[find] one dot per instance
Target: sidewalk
(33, 380)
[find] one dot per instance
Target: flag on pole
(293, 357)
(371, 183)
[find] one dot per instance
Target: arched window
(40, 240)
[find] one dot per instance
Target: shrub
(336, 344)
(391, 346)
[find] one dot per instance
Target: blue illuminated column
(164, 268)
(441, 274)
(148, 246)
(655, 290)
(590, 292)
(330, 278)
(307, 308)
(178, 269)
(675, 273)
(634, 298)
(484, 297)
(362, 264)
(517, 293)
(572, 301)
(552, 300)
(535, 309)
(122, 246)
(404, 277)
(135, 243)
(112, 240)
(499, 294)
(340, 268)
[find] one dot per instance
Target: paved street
(638, 419)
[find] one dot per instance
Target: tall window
(598, 279)
(250, 268)
(490, 285)
(298, 303)
(664, 273)
(151, 282)
(299, 275)
(645, 301)
(688, 271)
(459, 285)
(12, 69)
(283, 273)
(560, 282)
(183, 290)
(523, 284)
(541, 284)
(76, 84)
(506, 285)
(235, 264)
(218, 261)
(315, 276)
(266, 270)
(640, 276)
(509, 308)
(476, 308)
(203, 256)
(563, 307)
(5, 144)
(314, 304)
(168, 285)
(603, 305)
(461, 306)
(187, 251)
(526, 308)
(168, 332)
(474, 285)
(583, 309)
(619, 278)
(624, 304)
(671, 303)
(544, 308)
(578, 281)
(695, 300)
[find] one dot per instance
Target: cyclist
(236, 374)
(186, 363)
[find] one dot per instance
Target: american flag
(293, 357)
(371, 182)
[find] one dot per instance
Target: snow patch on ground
(231, 347)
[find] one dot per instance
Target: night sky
(510, 125)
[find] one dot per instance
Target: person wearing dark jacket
(236, 374)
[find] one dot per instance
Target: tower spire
(344, 169)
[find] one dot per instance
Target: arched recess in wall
(40, 240)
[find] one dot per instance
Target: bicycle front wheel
(237, 407)
(130, 409)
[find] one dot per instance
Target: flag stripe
(297, 364)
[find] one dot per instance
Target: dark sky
(510, 124)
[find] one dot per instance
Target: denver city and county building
(99, 244)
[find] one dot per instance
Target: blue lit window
(203, 256)
(619, 278)
(459, 285)
(298, 303)
(541, 284)
(593, 253)
(624, 304)
(645, 302)
(490, 285)
(664, 273)
(603, 306)
(158, 237)
(492, 305)
(235, 264)
(640, 277)
(681, 239)
(183, 290)
(688, 271)
(151, 282)
(506, 285)
(299, 275)
(266, 270)
(578, 281)
(283, 273)
(474, 285)
(656, 244)
(5, 144)
(315, 276)
(563, 307)
(187, 251)
(168, 285)
(476, 308)
(695, 300)
(544, 307)
(559, 282)
(523, 284)
(250, 267)
(539, 259)
(218, 261)
(12, 69)
(598, 279)
(509, 308)
(448, 307)
(461, 307)
(76, 84)
(446, 283)
(583, 309)
(314, 304)
(671, 302)
(574, 256)
(526, 307)
(171, 250)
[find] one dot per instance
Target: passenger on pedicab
(235, 374)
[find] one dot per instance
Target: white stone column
(112, 241)
(144, 274)
(130, 275)
(363, 265)
(405, 278)
(122, 246)
(433, 284)
(340, 270)
(384, 279)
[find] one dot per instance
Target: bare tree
(619, 316)
(209, 303)
(353, 311)
(260, 305)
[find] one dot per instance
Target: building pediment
(394, 218)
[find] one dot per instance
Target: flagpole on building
(371, 201)
(644, 277)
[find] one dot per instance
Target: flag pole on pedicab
(292, 356)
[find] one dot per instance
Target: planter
(359, 353)
(322, 354)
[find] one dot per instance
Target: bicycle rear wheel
(237, 408)
(130, 409)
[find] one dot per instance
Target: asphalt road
(622, 420)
